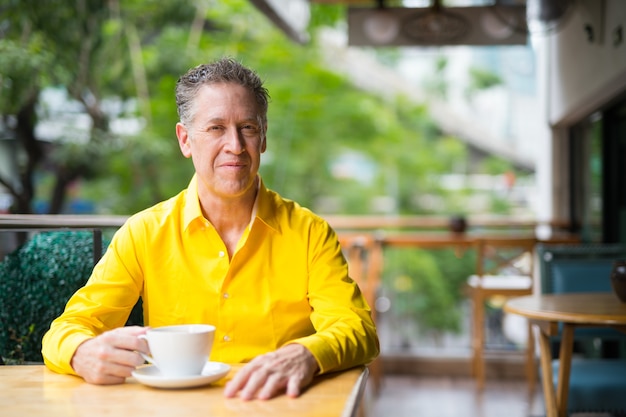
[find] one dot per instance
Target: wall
(576, 77)
(585, 75)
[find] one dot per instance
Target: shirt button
(226, 338)
(226, 295)
(221, 254)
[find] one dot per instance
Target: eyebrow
(222, 120)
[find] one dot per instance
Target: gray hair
(225, 70)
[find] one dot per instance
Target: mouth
(233, 164)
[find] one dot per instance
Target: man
(226, 251)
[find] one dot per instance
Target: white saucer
(150, 375)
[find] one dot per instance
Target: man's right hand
(111, 357)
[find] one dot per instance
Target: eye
(215, 130)
(249, 129)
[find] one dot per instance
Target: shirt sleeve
(345, 331)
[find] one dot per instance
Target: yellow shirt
(287, 282)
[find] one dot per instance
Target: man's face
(224, 139)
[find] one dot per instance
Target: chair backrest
(364, 256)
(582, 268)
(505, 256)
(577, 268)
(596, 383)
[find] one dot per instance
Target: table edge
(564, 317)
(356, 395)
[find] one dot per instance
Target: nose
(235, 142)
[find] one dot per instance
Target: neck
(229, 217)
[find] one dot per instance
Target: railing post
(97, 245)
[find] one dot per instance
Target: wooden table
(33, 390)
(573, 310)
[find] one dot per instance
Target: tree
(93, 51)
(131, 53)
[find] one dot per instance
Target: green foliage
(495, 166)
(437, 84)
(135, 51)
(482, 79)
(23, 67)
(36, 281)
(425, 285)
(323, 15)
(499, 205)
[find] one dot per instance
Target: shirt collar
(191, 210)
(263, 205)
(267, 206)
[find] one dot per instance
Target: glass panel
(421, 306)
(594, 203)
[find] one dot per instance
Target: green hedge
(36, 281)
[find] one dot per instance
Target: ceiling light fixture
(381, 26)
(435, 25)
(502, 21)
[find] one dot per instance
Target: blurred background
(358, 126)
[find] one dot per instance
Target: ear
(264, 143)
(183, 140)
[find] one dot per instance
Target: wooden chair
(504, 268)
(598, 371)
(364, 254)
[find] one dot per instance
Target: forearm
(92, 310)
(59, 345)
(343, 345)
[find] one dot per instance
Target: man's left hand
(288, 369)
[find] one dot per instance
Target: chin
(235, 188)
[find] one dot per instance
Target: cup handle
(148, 358)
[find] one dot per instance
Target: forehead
(225, 99)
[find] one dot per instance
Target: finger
(103, 379)
(114, 374)
(130, 330)
(116, 370)
(257, 379)
(117, 349)
(130, 359)
(239, 380)
(274, 385)
(109, 351)
(105, 373)
(294, 387)
(231, 389)
(127, 338)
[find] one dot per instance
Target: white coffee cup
(179, 350)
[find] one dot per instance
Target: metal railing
(37, 222)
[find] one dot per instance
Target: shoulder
(159, 215)
(288, 216)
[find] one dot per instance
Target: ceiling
(422, 22)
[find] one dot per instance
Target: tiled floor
(410, 396)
